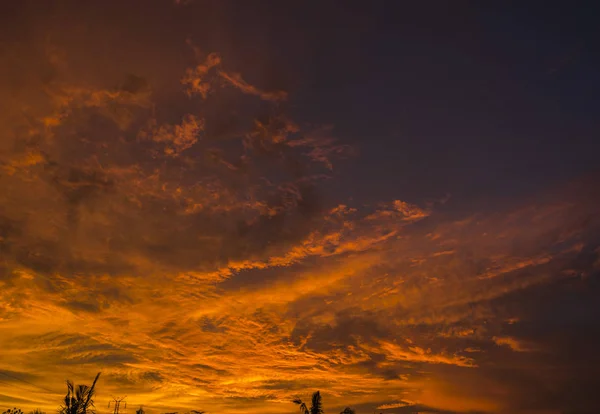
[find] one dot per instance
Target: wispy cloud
(513, 343)
(235, 80)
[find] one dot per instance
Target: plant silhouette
(316, 405)
(79, 400)
(348, 410)
(13, 411)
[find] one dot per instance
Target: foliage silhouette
(79, 400)
(316, 406)
(348, 410)
(13, 411)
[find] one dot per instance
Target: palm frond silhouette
(316, 404)
(80, 399)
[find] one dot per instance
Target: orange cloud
(235, 80)
(394, 405)
(196, 79)
(417, 354)
(513, 343)
(177, 138)
(199, 81)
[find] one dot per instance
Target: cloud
(177, 138)
(196, 79)
(400, 209)
(394, 405)
(190, 246)
(513, 343)
(203, 78)
(323, 148)
(235, 80)
(417, 354)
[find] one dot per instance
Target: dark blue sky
(462, 98)
(441, 97)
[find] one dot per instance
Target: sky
(226, 205)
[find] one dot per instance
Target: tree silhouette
(79, 400)
(13, 411)
(316, 406)
(348, 410)
(140, 410)
(37, 411)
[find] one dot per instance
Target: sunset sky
(224, 205)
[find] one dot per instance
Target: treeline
(19, 411)
(80, 400)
